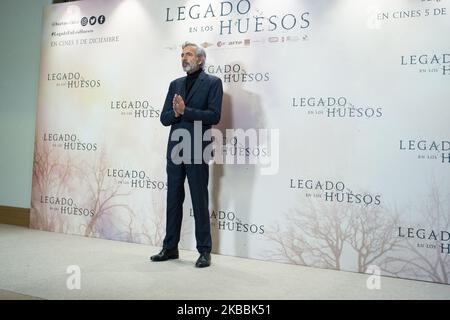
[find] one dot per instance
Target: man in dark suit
(193, 104)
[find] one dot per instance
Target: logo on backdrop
(335, 107)
(71, 27)
(222, 44)
(428, 63)
(230, 73)
(427, 238)
(437, 150)
(73, 80)
(136, 109)
(93, 20)
(68, 141)
(236, 18)
(65, 206)
(228, 221)
(333, 191)
(71, 37)
(136, 179)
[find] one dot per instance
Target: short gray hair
(199, 51)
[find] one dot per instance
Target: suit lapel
(183, 89)
(197, 84)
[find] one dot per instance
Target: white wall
(20, 34)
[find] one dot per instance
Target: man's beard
(190, 67)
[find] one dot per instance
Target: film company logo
(65, 206)
(427, 238)
(233, 73)
(68, 141)
(136, 179)
(428, 63)
(287, 39)
(333, 191)
(234, 43)
(72, 80)
(335, 107)
(245, 43)
(240, 17)
(428, 149)
(141, 109)
(228, 221)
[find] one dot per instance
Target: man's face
(189, 59)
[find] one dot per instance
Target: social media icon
(101, 19)
(84, 21)
(92, 20)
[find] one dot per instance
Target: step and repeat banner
(353, 96)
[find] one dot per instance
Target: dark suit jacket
(204, 103)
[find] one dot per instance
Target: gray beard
(191, 68)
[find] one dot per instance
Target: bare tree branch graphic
(371, 237)
(51, 174)
(104, 196)
(315, 235)
(425, 263)
(320, 233)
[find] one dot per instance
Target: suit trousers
(197, 175)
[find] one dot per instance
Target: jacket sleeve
(211, 115)
(168, 115)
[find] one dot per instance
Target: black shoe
(165, 254)
(204, 260)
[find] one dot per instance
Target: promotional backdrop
(355, 94)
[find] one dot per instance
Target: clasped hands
(178, 105)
